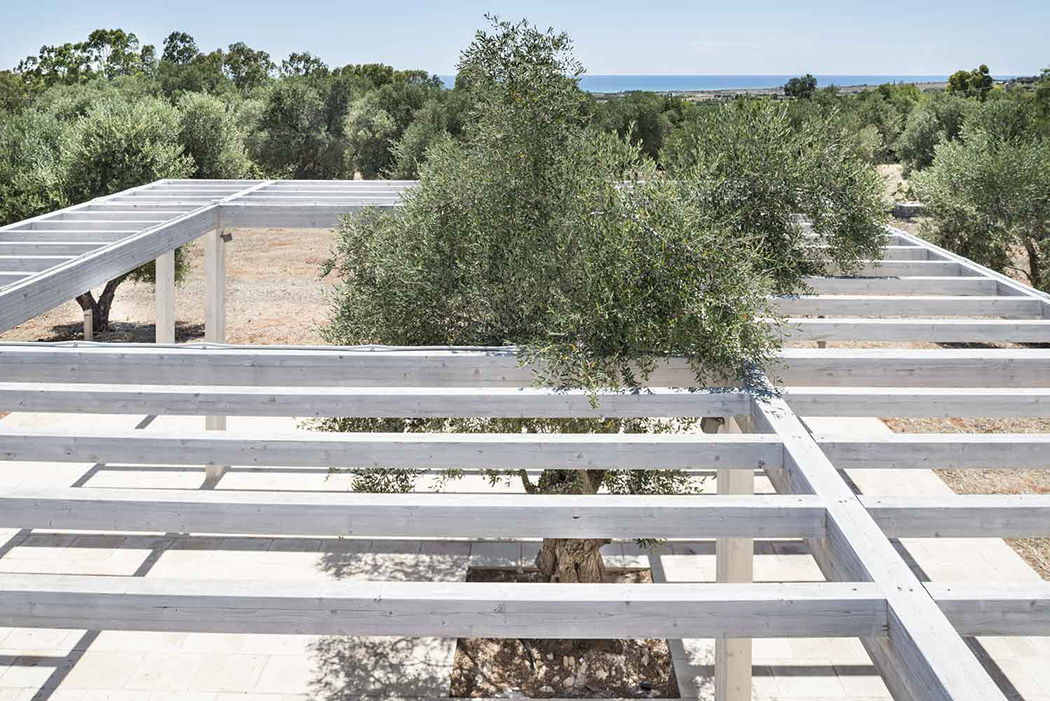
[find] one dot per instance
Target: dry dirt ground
(590, 669)
(273, 296)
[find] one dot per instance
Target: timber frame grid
(914, 631)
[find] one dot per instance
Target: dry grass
(1035, 551)
(273, 296)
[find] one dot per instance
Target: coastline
(724, 93)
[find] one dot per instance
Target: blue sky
(612, 37)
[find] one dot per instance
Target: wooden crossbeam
(413, 515)
(366, 402)
(947, 285)
(497, 368)
(922, 451)
(879, 367)
(65, 249)
(906, 402)
(963, 516)
(93, 224)
(395, 450)
(917, 330)
(444, 609)
(243, 214)
(922, 658)
(60, 235)
(1002, 608)
(910, 305)
(923, 268)
(30, 263)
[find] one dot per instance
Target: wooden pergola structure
(913, 631)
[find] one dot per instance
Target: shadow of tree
(125, 332)
(353, 667)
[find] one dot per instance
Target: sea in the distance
(683, 83)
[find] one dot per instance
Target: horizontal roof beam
(334, 366)
(512, 451)
(366, 402)
(919, 330)
(1002, 608)
(413, 515)
(947, 285)
(921, 451)
(910, 305)
(909, 402)
(884, 367)
(445, 609)
(963, 516)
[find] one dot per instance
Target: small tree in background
(115, 146)
(976, 83)
(934, 121)
(210, 134)
(759, 170)
(801, 88)
(988, 194)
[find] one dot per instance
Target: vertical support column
(215, 316)
(89, 325)
(166, 297)
(734, 563)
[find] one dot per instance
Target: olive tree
(759, 170)
(116, 145)
(523, 233)
(932, 122)
(209, 133)
(988, 194)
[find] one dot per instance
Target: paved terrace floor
(94, 665)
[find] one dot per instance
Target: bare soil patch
(273, 296)
(1035, 551)
(590, 669)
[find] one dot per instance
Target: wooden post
(215, 316)
(166, 298)
(734, 563)
(89, 325)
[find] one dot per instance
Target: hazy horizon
(611, 38)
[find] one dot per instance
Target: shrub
(211, 136)
(758, 172)
(988, 196)
(937, 120)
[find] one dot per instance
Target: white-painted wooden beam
(394, 450)
(907, 402)
(442, 609)
(412, 515)
(1002, 608)
(165, 293)
(915, 330)
(963, 516)
(215, 318)
(948, 285)
(922, 451)
(366, 402)
(734, 564)
(922, 658)
(910, 305)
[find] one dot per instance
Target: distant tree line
(82, 120)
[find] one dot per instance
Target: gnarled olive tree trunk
(569, 559)
(101, 307)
